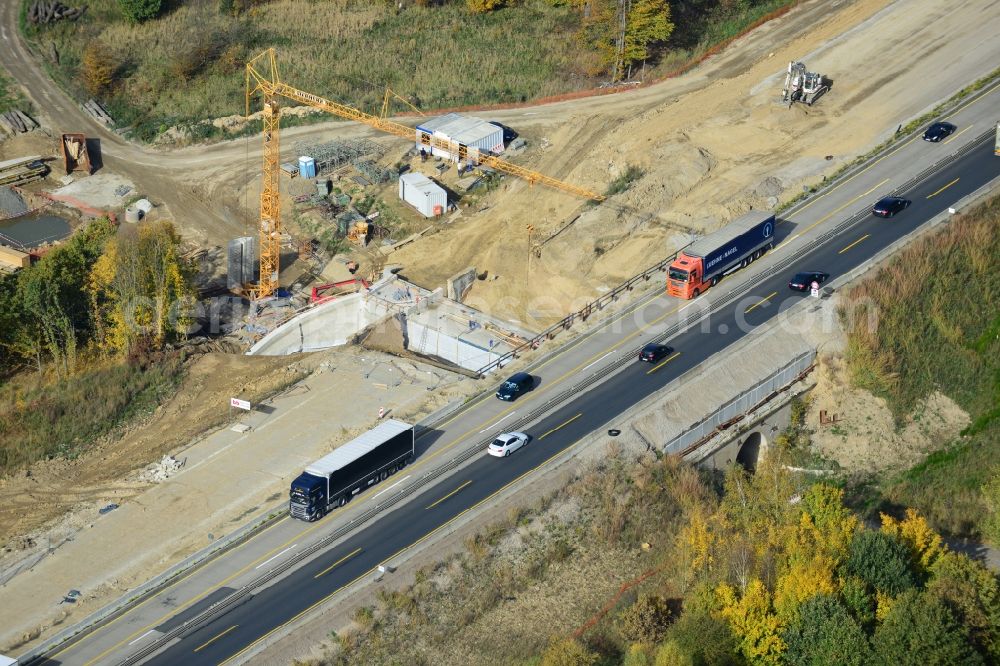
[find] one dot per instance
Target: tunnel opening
(750, 451)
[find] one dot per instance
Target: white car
(507, 443)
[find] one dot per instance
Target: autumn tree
(753, 622)
(924, 543)
(623, 31)
(97, 68)
(141, 289)
(825, 633)
(483, 6)
(920, 630)
(567, 652)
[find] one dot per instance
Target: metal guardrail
(583, 314)
(741, 405)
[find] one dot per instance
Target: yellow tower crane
(262, 76)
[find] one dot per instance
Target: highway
(804, 243)
(231, 635)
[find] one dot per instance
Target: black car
(889, 206)
(508, 134)
(803, 281)
(938, 131)
(653, 352)
(515, 385)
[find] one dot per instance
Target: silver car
(507, 443)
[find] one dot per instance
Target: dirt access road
(210, 190)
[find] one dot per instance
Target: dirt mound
(865, 437)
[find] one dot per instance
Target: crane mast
(269, 84)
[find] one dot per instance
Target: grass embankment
(187, 65)
(41, 417)
(938, 308)
(11, 97)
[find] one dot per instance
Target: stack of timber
(22, 170)
(74, 150)
(16, 122)
(47, 11)
(92, 107)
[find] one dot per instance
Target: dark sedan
(803, 281)
(889, 206)
(938, 131)
(653, 352)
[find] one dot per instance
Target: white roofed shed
(462, 133)
(429, 198)
(357, 447)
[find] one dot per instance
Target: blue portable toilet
(307, 167)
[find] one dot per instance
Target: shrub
(645, 621)
(881, 561)
(138, 11)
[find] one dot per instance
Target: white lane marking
(391, 487)
(489, 427)
(276, 556)
(143, 636)
(598, 360)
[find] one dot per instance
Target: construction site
(441, 247)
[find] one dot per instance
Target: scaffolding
(333, 155)
(375, 173)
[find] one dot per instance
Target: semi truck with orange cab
(704, 262)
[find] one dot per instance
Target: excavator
(803, 86)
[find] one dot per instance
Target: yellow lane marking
(867, 168)
(449, 494)
(955, 136)
(663, 363)
(397, 554)
(338, 562)
(212, 640)
(561, 426)
(761, 302)
(189, 602)
(854, 243)
(943, 188)
(831, 214)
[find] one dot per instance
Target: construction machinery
(803, 86)
(262, 77)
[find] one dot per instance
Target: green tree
(637, 655)
(991, 497)
(880, 560)
(567, 652)
(645, 621)
(137, 11)
(648, 24)
(859, 599)
(919, 630)
(701, 638)
(825, 633)
(972, 593)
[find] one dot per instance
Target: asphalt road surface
(228, 636)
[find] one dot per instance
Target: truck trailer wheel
(384, 475)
